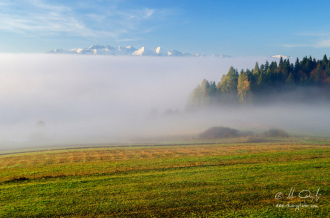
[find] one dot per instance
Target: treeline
(305, 80)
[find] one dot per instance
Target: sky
(237, 28)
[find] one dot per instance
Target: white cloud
(148, 13)
(296, 45)
(36, 17)
(43, 5)
(41, 17)
(316, 40)
(324, 43)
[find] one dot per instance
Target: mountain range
(128, 50)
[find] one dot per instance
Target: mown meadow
(232, 179)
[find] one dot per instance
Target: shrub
(276, 133)
(219, 132)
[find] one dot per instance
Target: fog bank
(99, 99)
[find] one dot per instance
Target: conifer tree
(256, 70)
(229, 81)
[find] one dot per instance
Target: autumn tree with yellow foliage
(243, 86)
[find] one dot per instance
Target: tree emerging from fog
(304, 81)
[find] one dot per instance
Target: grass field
(234, 178)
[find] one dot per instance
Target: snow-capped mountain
(281, 56)
(145, 52)
(160, 51)
(178, 53)
(128, 50)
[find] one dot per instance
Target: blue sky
(237, 28)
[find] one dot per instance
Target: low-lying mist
(63, 99)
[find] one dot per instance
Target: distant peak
(160, 51)
(281, 56)
(157, 50)
(140, 51)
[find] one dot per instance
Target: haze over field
(94, 99)
(186, 108)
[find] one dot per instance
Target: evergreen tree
(195, 98)
(260, 82)
(229, 81)
(316, 74)
(256, 70)
(273, 66)
(205, 88)
(327, 69)
(325, 60)
(296, 70)
(266, 66)
(281, 64)
(290, 80)
(213, 92)
(268, 77)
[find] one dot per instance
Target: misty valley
(125, 108)
(87, 99)
(123, 136)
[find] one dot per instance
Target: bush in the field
(276, 133)
(219, 132)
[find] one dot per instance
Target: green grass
(215, 180)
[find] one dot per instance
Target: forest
(305, 81)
